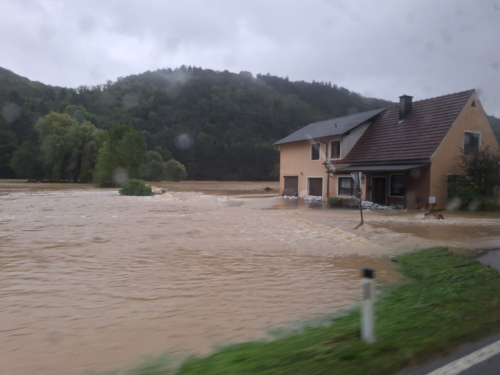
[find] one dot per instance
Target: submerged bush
(154, 169)
(342, 202)
(478, 188)
(335, 202)
(135, 187)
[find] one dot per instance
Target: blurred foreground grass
(445, 301)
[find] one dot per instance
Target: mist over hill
(220, 125)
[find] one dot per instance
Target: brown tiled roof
(417, 137)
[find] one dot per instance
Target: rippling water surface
(91, 280)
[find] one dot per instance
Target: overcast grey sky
(377, 48)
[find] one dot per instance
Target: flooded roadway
(95, 281)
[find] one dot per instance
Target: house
(407, 153)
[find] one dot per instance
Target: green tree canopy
(8, 144)
(175, 171)
(154, 169)
(27, 163)
(124, 149)
(480, 182)
(220, 125)
(68, 148)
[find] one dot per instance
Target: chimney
(404, 106)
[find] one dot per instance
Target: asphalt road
(488, 367)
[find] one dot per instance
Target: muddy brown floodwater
(91, 280)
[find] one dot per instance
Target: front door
(379, 190)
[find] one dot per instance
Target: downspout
(327, 174)
(407, 178)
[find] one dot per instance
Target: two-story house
(407, 153)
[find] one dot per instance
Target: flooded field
(92, 280)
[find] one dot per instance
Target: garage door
(291, 186)
(315, 186)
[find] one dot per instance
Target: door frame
(322, 186)
(385, 195)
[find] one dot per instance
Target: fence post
(368, 312)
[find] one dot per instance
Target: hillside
(221, 125)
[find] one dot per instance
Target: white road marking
(468, 361)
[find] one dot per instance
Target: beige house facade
(406, 154)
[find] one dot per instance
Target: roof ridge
(352, 114)
(438, 97)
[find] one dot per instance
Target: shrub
(154, 169)
(334, 201)
(489, 205)
(135, 187)
(338, 202)
(175, 171)
(478, 186)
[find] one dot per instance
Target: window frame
(478, 140)
(340, 149)
(319, 151)
(390, 185)
(338, 187)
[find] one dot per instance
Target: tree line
(219, 125)
(72, 150)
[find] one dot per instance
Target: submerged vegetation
(136, 187)
(415, 321)
(478, 187)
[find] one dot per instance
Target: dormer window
(335, 149)
(315, 148)
(472, 140)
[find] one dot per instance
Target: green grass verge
(445, 301)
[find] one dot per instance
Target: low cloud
(420, 48)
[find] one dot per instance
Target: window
(397, 186)
(346, 186)
(451, 185)
(315, 148)
(335, 150)
(471, 142)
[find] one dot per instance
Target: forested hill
(220, 125)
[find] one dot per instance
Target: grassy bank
(445, 301)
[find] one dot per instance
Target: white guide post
(368, 312)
